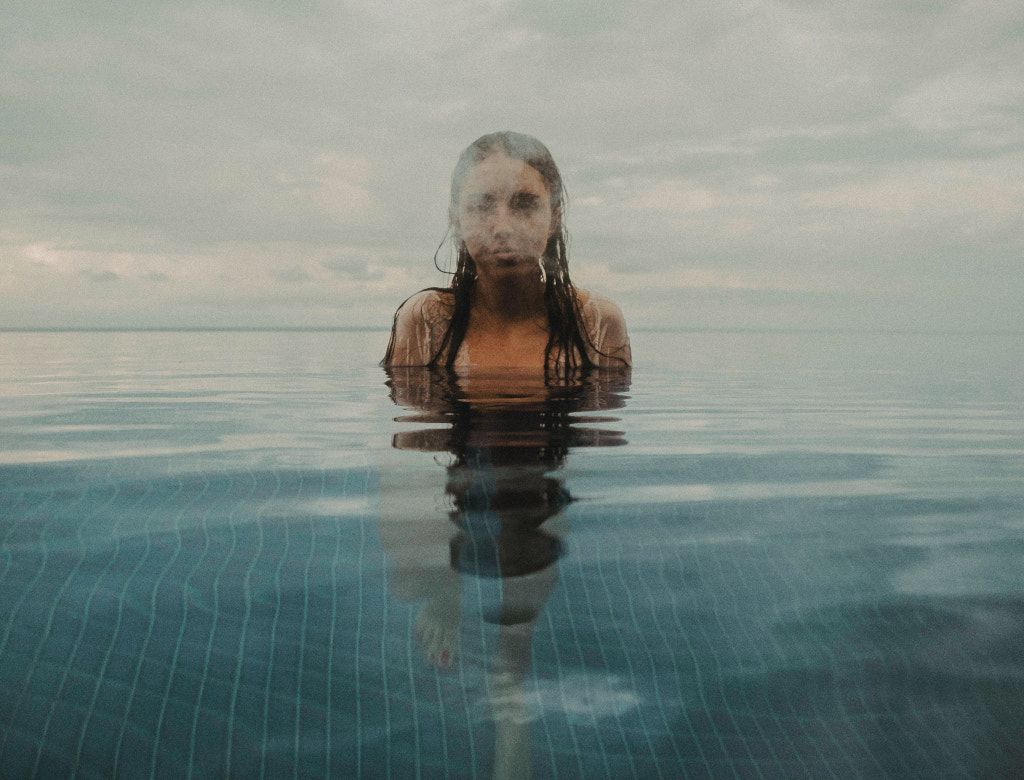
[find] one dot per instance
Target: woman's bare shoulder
(606, 327)
(599, 308)
(419, 327)
(430, 306)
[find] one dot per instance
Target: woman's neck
(511, 301)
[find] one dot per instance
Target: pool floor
(241, 624)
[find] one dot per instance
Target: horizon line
(385, 329)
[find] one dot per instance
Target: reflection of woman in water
(510, 301)
(500, 526)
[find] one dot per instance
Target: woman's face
(504, 216)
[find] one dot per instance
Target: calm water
(760, 555)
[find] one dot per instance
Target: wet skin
(504, 217)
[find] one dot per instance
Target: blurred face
(504, 216)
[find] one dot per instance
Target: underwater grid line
(268, 686)
(899, 753)
(9, 532)
(46, 635)
(329, 681)
(445, 760)
(246, 615)
(542, 717)
(215, 588)
(470, 739)
(630, 605)
(676, 672)
(615, 563)
(694, 564)
(588, 528)
(303, 632)
(121, 601)
(415, 706)
(615, 521)
(582, 663)
(480, 513)
(30, 586)
(697, 564)
(82, 626)
(698, 676)
(780, 653)
(770, 509)
(385, 695)
(184, 616)
(130, 699)
(758, 649)
(303, 627)
(561, 690)
(113, 637)
(838, 561)
(358, 636)
(730, 597)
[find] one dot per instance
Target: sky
(770, 165)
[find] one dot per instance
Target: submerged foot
(437, 629)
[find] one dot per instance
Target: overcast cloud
(729, 164)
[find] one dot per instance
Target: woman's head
(518, 147)
(566, 350)
(539, 176)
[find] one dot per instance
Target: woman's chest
(522, 347)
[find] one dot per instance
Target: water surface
(760, 555)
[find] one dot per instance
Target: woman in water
(510, 302)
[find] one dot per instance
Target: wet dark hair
(566, 350)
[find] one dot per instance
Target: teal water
(760, 555)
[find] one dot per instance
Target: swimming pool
(761, 555)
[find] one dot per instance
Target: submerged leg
(508, 702)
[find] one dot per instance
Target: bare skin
(505, 218)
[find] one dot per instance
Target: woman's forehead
(500, 174)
